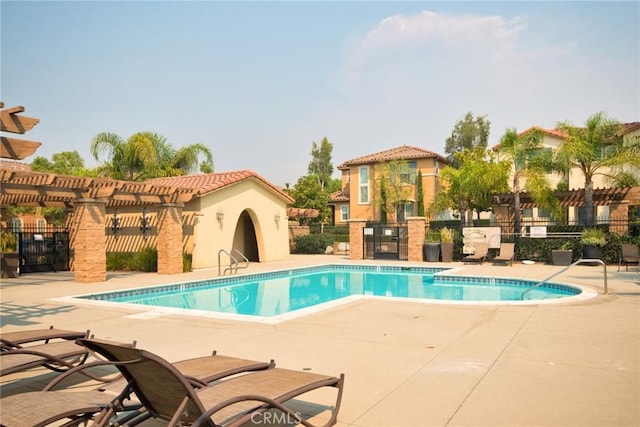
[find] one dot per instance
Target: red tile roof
(15, 166)
(339, 196)
(404, 152)
(207, 183)
(629, 127)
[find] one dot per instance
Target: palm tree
(146, 155)
(596, 149)
(529, 165)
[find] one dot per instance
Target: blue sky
(258, 82)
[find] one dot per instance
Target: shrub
(432, 237)
(187, 262)
(593, 237)
(8, 242)
(313, 243)
(447, 234)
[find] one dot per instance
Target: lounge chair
(629, 254)
(479, 255)
(506, 254)
(17, 339)
(168, 396)
(41, 408)
(58, 356)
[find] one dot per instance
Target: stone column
(170, 238)
(416, 230)
(619, 217)
(356, 240)
(88, 242)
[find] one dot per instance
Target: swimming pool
(288, 293)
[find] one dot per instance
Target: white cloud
(495, 35)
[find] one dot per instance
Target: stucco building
(360, 196)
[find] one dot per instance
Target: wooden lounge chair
(629, 254)
(42, 408)
(506, 254)
(17, 339)
(168, 396)
(479, 255)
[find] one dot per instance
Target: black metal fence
(382, 241)
(43, 249)
(538, 237)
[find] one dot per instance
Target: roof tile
(404, 152)
(207, 183)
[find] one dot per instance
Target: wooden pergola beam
(17, 149)
(11, 122)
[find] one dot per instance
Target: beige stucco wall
(261, 204)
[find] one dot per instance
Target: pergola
(87, 199)
(617, 198)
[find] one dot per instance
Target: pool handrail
(246, 260)
(580, 261)
(232, 262)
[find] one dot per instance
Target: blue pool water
(275, 293)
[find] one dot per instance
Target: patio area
(405, 363)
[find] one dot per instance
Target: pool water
(273, 294)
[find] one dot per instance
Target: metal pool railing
(580, 261)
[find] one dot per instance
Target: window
(544, 213)
(41, 225)
(527, 213)
(344, 213)
(409, 176)
(363, 176)
(16, 225)
(403, 211)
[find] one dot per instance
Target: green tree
(396, 185)
(468, 133)
(470, 187)
(529, 163)
(65, 163)
(147, 155)
(321, 165)
(419, 194)
(308, 195)
(596, 149)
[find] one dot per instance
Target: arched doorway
(244, 237)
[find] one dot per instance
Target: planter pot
(447, 251)
(9, 264)
(591, 252)
(431, 252)
(561, 257)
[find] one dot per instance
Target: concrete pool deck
(405, 363)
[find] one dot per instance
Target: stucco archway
(245, 236)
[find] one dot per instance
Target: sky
(259, 82)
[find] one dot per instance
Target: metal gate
(43, 251)
(386, 242)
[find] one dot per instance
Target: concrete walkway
(406, 363)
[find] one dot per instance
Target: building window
(41, 225)
(544, 213)
(344, 213)
(16, 225)
(409, 176)
(403, 211)
(363, 176)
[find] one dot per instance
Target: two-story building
(363, 191)
(552, 139)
